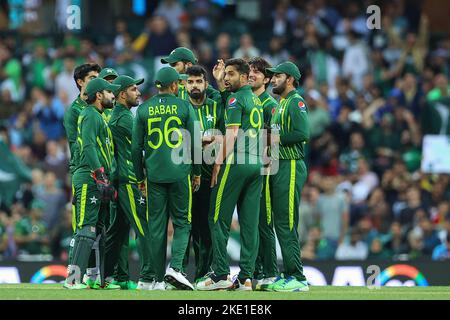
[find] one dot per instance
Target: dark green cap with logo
(288, 68)
(108, 72)
(98, 85)
(180, 54)
(166, 76)
(124, 82)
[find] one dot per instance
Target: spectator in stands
(352, 248)
(356, 150)
(246, 49)
(53, 200)
(442, 251)
(172, 11)
(333, 211)
(31, 234)
(65, 87)
(62, 234)
(307, 212)
(49, 112)
(276, 52)
(441, 88)
(319, 117)
(414, 210)
(396, 242)
(356, 62)
(56, 160)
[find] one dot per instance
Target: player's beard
(132, 102)
(234, 86)
(197, 95)
(107, 103)
(280, 88)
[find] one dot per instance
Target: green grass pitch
(56, 292)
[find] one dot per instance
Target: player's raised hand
(219, 70)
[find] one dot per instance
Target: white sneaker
(145, 285)
(159, 286)
(208, 284)
(178, 280)
(263, 284)
(246, 286)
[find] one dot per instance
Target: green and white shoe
(264, 284)
(291, 284)
(75, 286)
(125, 285)
(108, 285)
(278, 281)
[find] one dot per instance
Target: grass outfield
(56, 292)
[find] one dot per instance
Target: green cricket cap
(180, 54)
(99, 84)
(288, 68)
(166, 76)
(106, 72)
(124, 82)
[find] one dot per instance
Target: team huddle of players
(124, 175)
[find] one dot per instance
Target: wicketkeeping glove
(107, 191)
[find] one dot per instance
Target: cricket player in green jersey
(130, 205)
(122, 272)
(93, 189)
(164, 129)
(82, 75)
(209, 114)
(291, 121)
(182, 58)
(266, 269)
(109, 74)
(236, 180)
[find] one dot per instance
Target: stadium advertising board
(349, 273)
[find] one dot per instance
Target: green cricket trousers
(130, 209)
(166, 200)
(285, 190)
(238, 185)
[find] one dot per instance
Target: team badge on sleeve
(273, 110)
(302, 106)
(232, 102)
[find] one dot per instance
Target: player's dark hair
(83, 70)
(295, 83)
(197, 71)
(261, 65)
(91, 99)
(240, 64)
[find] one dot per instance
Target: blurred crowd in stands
(371, 96)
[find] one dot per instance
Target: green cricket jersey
(121, 124)
(211, 93)
(95, 142)
(245, 110)
(107, 113)
(70, 125)
(269, 105)
(210, 116)
(291, 119)
(157, 129)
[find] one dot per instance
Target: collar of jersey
(290, 94)
(246, 87)
(95, 108)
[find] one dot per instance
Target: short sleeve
(233, 112)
